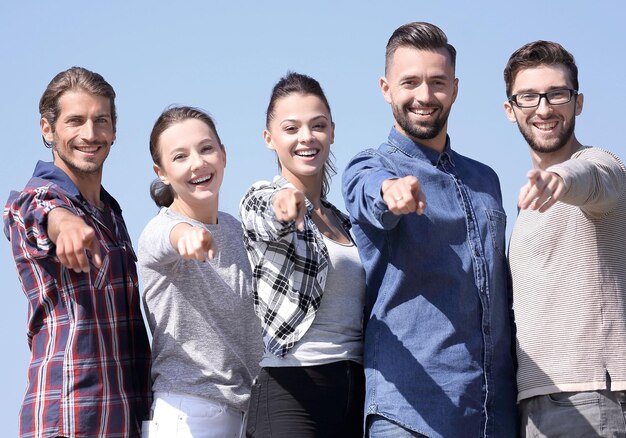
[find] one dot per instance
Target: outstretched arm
(541, 191)
(193, 242)
(376, 194)
(73, 238)
(289, 206)
(269, 213)
(403, 195)
(593, 180)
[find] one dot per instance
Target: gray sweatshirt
(206, 337)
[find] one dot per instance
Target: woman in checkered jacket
(308, 280)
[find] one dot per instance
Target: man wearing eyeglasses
(567, 256)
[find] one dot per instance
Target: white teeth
(88, 150)
(201, 180)
(545, 126)
(307, 153)
(424, 112)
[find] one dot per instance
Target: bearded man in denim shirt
(430, 228)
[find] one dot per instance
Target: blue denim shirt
(438, 339)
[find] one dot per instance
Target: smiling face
(301, 132)
(192, 163)
(546, 128)
(82, 136)
(421, 88)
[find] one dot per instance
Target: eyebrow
(429, 77)
(82, 116)
(321, 116)
(203, 142)
(552, 88)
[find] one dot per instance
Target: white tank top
(336, 333)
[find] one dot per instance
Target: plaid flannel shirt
(289, 266)
(89, 374)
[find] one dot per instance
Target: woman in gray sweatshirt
(197, 287)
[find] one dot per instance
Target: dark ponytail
(161, 194)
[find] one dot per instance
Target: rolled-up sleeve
(258, 217)
(26, 219)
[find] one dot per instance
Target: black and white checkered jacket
(289, 266)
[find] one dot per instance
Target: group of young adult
(410, 323)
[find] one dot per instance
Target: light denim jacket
(438, 340)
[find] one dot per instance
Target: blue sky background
(225, 56)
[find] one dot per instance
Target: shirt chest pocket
(497, 229)
(118, 266)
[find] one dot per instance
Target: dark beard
(562, 140)
(420, 132)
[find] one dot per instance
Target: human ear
(509, 112)
(384, 88)
(160, 174)
(268, 139)
(580, 99)
(46, 130)
(456, 90)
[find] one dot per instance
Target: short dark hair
(72, 79)
(163, 194)
(421, 36)
(305, 85)
(536, 54)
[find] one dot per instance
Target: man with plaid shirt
(90, 356)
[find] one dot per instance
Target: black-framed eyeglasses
(554, 97)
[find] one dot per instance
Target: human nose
(305, 135)
(543, 107)
(197, 161)
(88, 131)
(423, 93)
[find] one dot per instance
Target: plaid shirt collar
(53, 174)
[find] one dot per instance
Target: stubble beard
(88, 167)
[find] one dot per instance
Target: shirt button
(486, 330)
(477, 253)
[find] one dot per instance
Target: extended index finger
(418, 196)
(66, 253)
(94, 249)
(210, 245)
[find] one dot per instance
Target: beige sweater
(569, 281)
